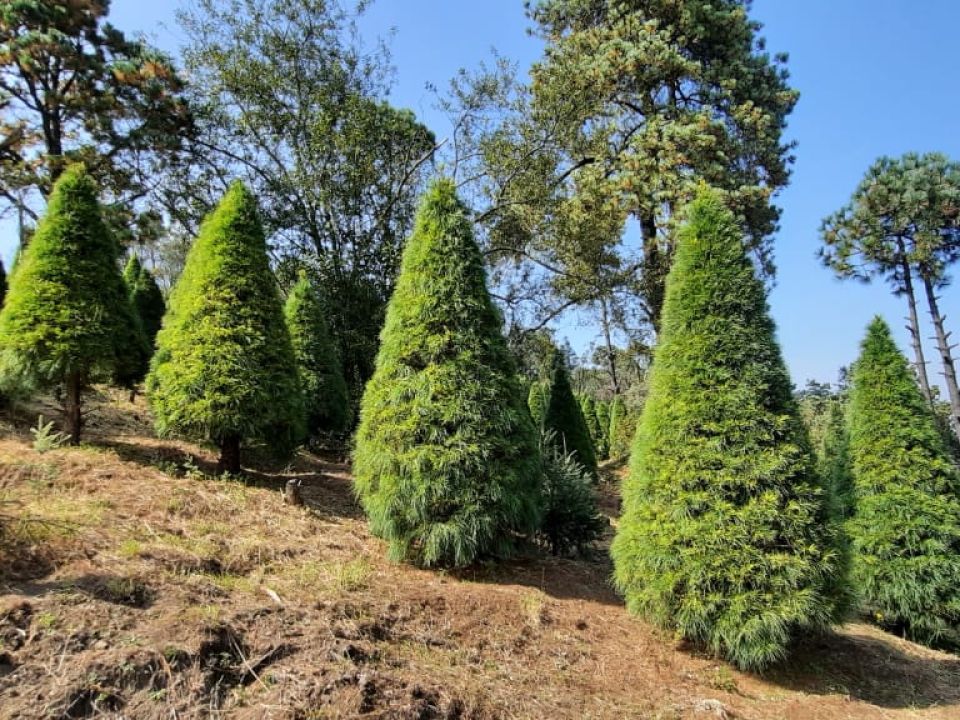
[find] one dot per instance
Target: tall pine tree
(67, 319)
(446, 463)
(906, 525)
(723, 536)
(224, 369)
(321, 375)
(565, 418)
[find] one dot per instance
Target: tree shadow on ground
(326, 487)
(871, 666)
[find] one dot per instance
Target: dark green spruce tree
(224, 370)
(724, 537)
(565, 419)
(906, 525)
(446, 462)
(67, 320)
(321, 375)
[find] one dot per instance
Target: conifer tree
(224, 369)
(67, 319)
(588, 408)
(146, 298)
(446, 463)
(321, 375)
(723, 536)
(537, 400)
(906, 525)
(603, 429)
(565, 418)
(622, 429)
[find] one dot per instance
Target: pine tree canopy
(321, 375)
(446, 462)
(906, 524)
(224, 369)
(67, 318)
(565, 418)
(722, 537)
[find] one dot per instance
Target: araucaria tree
(565, 419)
(224, 369)
(321, 376)
(446, 463)
(906, 525)
(723, 536)
(67, 319)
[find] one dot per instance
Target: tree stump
(291, 492)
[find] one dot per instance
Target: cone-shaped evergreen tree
(588, 408)
(723, 535)
(67, 319)
(146, 298)
(603, 429)
(446, 462)
(622, 429)
(224, 369)
(321, 376)
(537, 400)
(565, 418)
(906, 524)
(833, 461)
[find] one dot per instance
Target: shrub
(446, 461)
(724, 537)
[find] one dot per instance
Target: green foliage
(906, 526)
(224, 369)
(603, 429)
(67, 318)
(73, 88)
(321, 377)
(564, 417)
(623, 427)
(571, 521)
(588, 408)
(45, 438)
(146, 298)
(723, 536)
(446, 461)
(537, 400)
(3, 284)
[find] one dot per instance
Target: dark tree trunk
(914, 328)
(946, 356)
(656, 263)
(73, 418)
(229, 455)
(611, 355)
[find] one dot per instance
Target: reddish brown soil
(134, 585)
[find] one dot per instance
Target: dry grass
(136, 585)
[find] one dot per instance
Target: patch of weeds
(121, 591)
(45, 620)
(723, 679)
(228, 581)
(130, 548)
(533, 608)
(204, 614)
(350, 576)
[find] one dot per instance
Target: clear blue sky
(876, 77)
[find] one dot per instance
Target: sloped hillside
(135, 585)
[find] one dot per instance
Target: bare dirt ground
(135, 585)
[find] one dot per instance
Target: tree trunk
(73, 419)
(655, 266)
(914, 328)
(229, 455)
(611, 355)
(946, 357)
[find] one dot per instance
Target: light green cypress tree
(446, 462)
(623, 427)
(588, 408)
(67, 319)
(537, 400)
(224, 370)
(906, 524)
(565, 419)
(724, 536)
(321, 375)
(603, 429)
